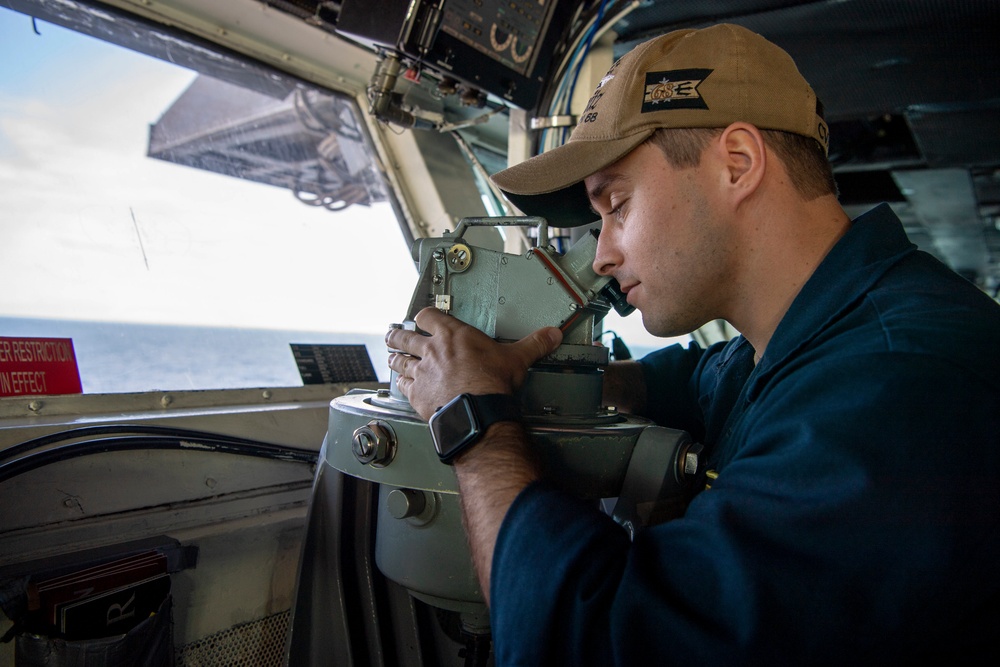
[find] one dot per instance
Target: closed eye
(617, 211)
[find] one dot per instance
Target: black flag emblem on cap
(677, 89)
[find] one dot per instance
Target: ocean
(116, 357)
(119, 357)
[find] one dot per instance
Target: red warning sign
(35, 366)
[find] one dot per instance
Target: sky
(92, 229)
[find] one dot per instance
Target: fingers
(404, 384)
(428, 321)
(403, 364)
(446, 357)
(412, 343)
(536, 345)
(409, 346)
(431, 318)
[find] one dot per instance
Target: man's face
(663, 239)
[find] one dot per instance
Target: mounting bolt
(691, 460)
(374, 444)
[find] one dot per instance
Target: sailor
(854, 425)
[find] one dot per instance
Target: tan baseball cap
(710, 77)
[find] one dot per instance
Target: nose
(607, 258)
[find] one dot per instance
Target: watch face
(453, 427)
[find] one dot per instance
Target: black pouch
(148, 644)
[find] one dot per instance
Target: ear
(744, 158)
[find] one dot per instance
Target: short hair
(803, 157)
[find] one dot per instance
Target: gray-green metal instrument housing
(584, 448)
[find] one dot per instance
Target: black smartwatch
(462, 422)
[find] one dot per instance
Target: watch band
(464, 420)
(493, 408)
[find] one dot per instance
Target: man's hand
(457, 358)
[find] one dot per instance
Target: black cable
(619, 350)
(145, 429)
(149, 437)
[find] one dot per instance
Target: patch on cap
(676, 89)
